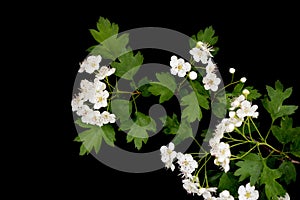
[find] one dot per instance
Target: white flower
(231, 70)
(200, 55)
(83, 110)
(193, 75)
(205, 47)
(286, 197)
(243, 79)
(187, 164)
(92, 117)
(96, 118)
(245, 92)
(168, 155)
(225, 195)
(87, 89)
(191, 185)
(223, 151)
(179, 67)
(228, 125)
(214, 142)
(98, 85)
(246, 109)
(107, 117)
(105, 71)
(248, 192)
(211, 82)
(77, 102)
(236, 102)
(206, 192)
(225, 164)
(210, 67)
(100, 99)
(236, 122)
(90, 64)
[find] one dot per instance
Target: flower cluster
(237, 161)
(199, 53)
(241, 111)
(240, 108)
(93, 95)
(202, 53)
(187, 165)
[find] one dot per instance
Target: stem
(205, 174)
(237, 144)
(232, 78)
(109, 85)
(240, 157)
(135, 105)
(225, 87)
(124, 92)
(242, 134)
(269, 130)
(180, 85)
(262, 138)
(249, 129)
(233, 139)
(206, 160)
(199, 144)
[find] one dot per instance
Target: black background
(260, 41)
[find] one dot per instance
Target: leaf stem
(262, 138)
(240, 157)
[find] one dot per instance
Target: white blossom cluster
(93, 95)
(202, 53)
(240, 108)
(219, 149)
(187, 165)
(181, 68)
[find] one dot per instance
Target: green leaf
(285, 132)
(228, 182)
(121, 108)
(273, 104)
(219, 109)
(251, 166)
(171, 124)
(138, 129)
(105, 30)
(295, 145)
(160, 90)
(214, 176)
(164, 88)
(201, 93)
(143, 86)
(192, 110)
(185, 131)
(112, 47)
(273, 189)
(82, 124)
(128, 64)
(92, 138)
(288, 171)
(208, 36)
(254, 94)
(237, 90)
(109, 135)
(142, 120)
(144, 89)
